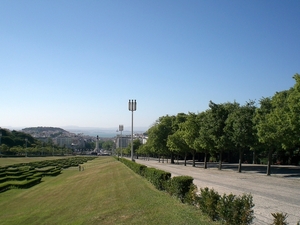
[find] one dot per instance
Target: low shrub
(28, 183)
(279, 219)
(157, 177)
(52, 173)
(235, 210)
(208, 201)
(192, 197)
(180, 187)
(4, 187)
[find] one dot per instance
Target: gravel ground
(279, 192)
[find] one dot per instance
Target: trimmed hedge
(19, 184)
(26, 183)
(4, 187)
(32, 173)
(228, 209)
(138, 168)
(180, 186)
(157, 177)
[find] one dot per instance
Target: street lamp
(121, 129)
(132, 107)
(26, 147)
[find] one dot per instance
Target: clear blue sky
(71, 62)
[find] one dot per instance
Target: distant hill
(43, 129)
(45, 132)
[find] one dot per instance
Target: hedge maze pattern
(25, 175)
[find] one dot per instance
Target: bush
(157, 177)
(4, 186)
(180, 187)
(138, 168)
(279, 219)
(235, 210)
(191, 196)
(208, 201)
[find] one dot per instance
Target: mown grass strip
(106, 192)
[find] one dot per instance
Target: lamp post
(26, 147)
(121, 129)
(132, 107)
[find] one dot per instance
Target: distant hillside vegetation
(16, 138)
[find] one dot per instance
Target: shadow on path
(287, 171)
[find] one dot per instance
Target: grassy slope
(106, 192)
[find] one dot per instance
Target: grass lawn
(106, 192)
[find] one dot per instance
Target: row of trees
(127, 150)
(269, 130)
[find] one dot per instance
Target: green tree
(219, 115)
(175, 141)
(240, 127)
(144, 149)
(191, 128)
(136, 145)
(267, 129)
(293, 105)
(204, 142)
(158, 135)
(108, 145)
(178, 145)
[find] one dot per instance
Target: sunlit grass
(106, 192)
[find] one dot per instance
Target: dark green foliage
(20, 184)
(279, 218)
(157, 177)
(235, 210)
(4, 187)
(180, 186)
(27, 183)
(191, 197)
(208, 201)
(229, 209)
(138, 168)
(16, 138)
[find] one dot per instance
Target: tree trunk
(159, 158)
(240, 160)
(194, 164)
(205, 160)
(172, 158)
(220, 160)
(185, 159)
(254, 161)
(269, 162)
(163, 159)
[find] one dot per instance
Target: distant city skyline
(78, 63)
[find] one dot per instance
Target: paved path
(276, 193)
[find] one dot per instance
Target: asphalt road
(279, 192)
